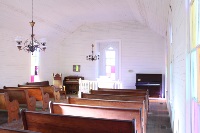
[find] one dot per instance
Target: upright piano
(152, 82)
(71, 84)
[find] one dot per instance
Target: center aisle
(158, 117)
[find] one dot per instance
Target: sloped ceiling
(59, 18)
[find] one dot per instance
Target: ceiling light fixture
(31, 44)
(92, 57)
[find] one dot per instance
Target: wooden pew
(8, 130)
(98, 112)
(112, 103)
(11, 107)
(30, 85)
(38, 93)
(120, 92)
(51, 90)
(21, 96)
(41, 83)
(127, 90)
(55, 123)
(116, 97)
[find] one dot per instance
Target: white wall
(142, 50)
(50, 60)
(178, 106)
(15, 65)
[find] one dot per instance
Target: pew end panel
(11, 107)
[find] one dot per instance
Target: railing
(86, 85)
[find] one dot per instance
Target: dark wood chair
(57, 83)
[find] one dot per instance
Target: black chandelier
(92, 57)
(31, 44)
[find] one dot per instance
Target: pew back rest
(113, 97)
(22, 96)
(108, 103)
(50, 90)
(17, 94)
(53, 92)
(75, 124)
(112, 103)
(36, 92)
(43, 83)
(117, 97)
(132, 93)
(30, 85)
(98, 112)
(39, 95)
(128, 90)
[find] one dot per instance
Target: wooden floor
(158, 118)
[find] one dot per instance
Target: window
(35, 66)
(194, 74)
(109, 61)
(194, 33)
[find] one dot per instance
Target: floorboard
(158, 117)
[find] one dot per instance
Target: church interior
(100, 66)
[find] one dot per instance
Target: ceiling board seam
(142, 11)
(17, 10)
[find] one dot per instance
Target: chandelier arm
(36, 41)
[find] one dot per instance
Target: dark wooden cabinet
(71, 84)
(152, 82)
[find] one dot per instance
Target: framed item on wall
(76, 68)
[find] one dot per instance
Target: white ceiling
(63, 17)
